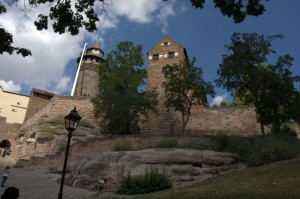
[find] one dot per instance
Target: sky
(203, 32)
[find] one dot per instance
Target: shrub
(122, 146)
(200, 144)
(257, 150)
(219, 142)
(154, 179)
(286, 133)
(267, 149)
(166, 143)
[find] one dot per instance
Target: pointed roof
(167, 38)
(97, 44)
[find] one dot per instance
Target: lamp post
(71, 122)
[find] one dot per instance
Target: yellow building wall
(13, 106)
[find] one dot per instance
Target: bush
(286, 133)
(122, 146)
(259, 150)
(200, 144)
(152, 180)
(219, 142)
(267, 149)
(166, 143)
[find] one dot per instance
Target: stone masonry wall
(63, 105)
(166, 121)
(236, 120)
(87, 83)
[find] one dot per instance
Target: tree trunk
(262, 128)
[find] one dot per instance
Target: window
(155, 57)
(166, 43)
(14, 110)
(171, 55)
(19, 103)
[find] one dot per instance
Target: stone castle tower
(88, 77)
(166, 51)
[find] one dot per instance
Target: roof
(12, 92)
(42, 92)
(168, 38)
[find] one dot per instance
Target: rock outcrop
(185, 166)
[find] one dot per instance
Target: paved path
(38, 186)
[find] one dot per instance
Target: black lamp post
(71, 122)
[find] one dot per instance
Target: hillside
(280, 180)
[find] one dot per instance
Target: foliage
(121, 103)
(154, 179)
(280, 180)
(259, 150)
(196, 143)
(124, 145)
(166, 143)
(68, 18)
(236, 9)
(185, 87)
(270, 87)
(7, 40)
(271, 149)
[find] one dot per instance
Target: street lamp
(71, 122)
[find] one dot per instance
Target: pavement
(33, 185)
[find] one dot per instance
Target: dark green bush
(286, 133)
(154, 179)
(259, 150)
(125, 145)
(219, 142)
(200, 144)
(166, 143)
(267, 149)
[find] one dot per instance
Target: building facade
(87, 83)
(13, 106)
(166, 51)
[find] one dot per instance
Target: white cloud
(10, 86)
(51, 52)
(63, 85)
(140, 11)
(218, 99)
(163, 16)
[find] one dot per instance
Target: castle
(43, 131)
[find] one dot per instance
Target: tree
(7, 40)
(246, 73)
(185, 87)
(121, 103)
(238, 9)
(68, 18)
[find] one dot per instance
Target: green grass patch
(279, 180)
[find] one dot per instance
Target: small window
(166, 43)
(14, 110)
(19, 103)
(155, 57)
(171, 55)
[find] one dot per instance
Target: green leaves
(6, 44)
(121, 103)
(246, 73)
(184, 87)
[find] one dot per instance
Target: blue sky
(202, 32)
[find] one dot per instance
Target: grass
(280, 180)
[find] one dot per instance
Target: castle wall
(37, 100)
(167, 120)
(63, 105)
(234, 120)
